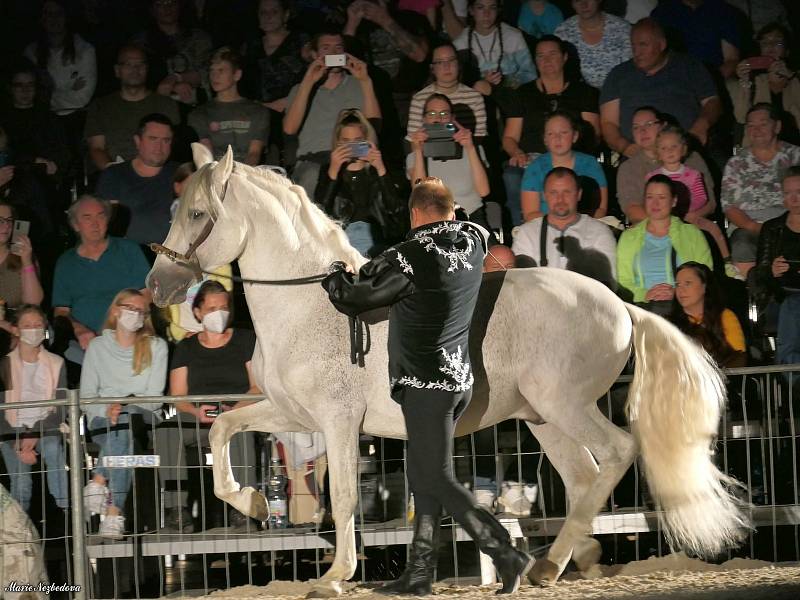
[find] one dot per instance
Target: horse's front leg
(341, 441)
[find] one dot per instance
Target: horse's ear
(223, 169)
(201, 154)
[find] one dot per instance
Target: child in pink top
(672, 148)
(426, 8)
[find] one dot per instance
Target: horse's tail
(674, 407)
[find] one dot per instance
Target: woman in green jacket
(649, 253)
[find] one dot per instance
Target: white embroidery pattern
(404, 264)
(457, 258)
(454, 367)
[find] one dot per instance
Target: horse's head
(202, 236)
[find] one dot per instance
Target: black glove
(337, 266)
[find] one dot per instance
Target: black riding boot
(417, 579)
(493, 539)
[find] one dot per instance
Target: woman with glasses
(464, 175)
(19, 277)
(126, 360)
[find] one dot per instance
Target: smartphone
(760, 63)
(20, 228)
(335, 60)
(359, 149)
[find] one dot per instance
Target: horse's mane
(297, 208)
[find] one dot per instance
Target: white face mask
(32, 337)
(130, 320)
(216, 321)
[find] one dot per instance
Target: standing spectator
(751, 183)
(698, 311)
(496, 52)
(89, 275)
(112, 120)
(672, 83)
(632, 173)
(649, 253)
(469, 106)
(316, 101)
(177, 53)
(356, 190)
(706, 29)
(33, 375)
(128, 359)
(603, 41)
(527, 109)
(777, 85)
(465, 177)
(560, 134)
(538, 18)
(229, 119)
(778, 267)
(143, 186)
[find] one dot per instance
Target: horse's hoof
(544, 573)
(329, 589)
(586, 554)
(257, 504)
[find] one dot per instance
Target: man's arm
(739, 218)
(413, 46)
(609, 125)
(82, 333)
(293, 119)
(254, 152)
(98, 152)
(358, 69)
(709, 114)
(451, 22)
(730, 58)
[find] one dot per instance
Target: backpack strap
(543, 243)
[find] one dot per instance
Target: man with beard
(314, 104)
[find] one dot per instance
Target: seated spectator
(538, 18)
(706, 29)
(698, 311)
(178, 53)
(649, 253)
(356, 190)
(632, 173)
(315, 102)
(526, 109)
(19, 278)
(128, 359)
(751, 184)
(499, 258)
(469, 106)
(215, 361)
(602, 40)
(464, 176)
(89, 275)
(565, 239)
(670, 82)
(229, 119)
(778, 267)
(143, 185)
(33, 374)
(672, 146)
(560, 133)
(112, 120)
(776, 84)
(495, 52)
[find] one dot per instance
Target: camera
(359, 149)
(335, 60)
(440, 144)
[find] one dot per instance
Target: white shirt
(34, 389)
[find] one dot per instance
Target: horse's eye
(195, 214)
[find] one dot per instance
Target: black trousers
(430, 417)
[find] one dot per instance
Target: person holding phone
(19, 276)
(355, 188)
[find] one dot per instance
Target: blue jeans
(787, 350)
(360, 235)
(512, 178)
(114, 443)
(54, 460)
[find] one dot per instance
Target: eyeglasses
(6, 221)
(646, 125)
(444, 61)
(133, 308)
(437, 113)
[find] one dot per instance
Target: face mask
(130, 320)
(216, 321)
(32, 337)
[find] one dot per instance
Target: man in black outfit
(431, 281)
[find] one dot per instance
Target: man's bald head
(499, 258)
(649, 45)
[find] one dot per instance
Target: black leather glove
(337, 266)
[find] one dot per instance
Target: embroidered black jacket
(431, 283)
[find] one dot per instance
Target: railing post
(76, 490)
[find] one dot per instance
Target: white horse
(545, 345)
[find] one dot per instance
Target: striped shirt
(468, 105)
(692, 179)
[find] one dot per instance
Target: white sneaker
(94, 498)
(112, 527)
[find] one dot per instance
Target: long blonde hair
(353, 116)
(142, 354)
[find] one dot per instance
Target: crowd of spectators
(650, 145)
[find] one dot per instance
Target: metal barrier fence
(758, 443)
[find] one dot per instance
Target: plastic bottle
(276, 496)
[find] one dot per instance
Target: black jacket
(431, 282)
(771, 244)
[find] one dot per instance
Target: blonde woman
(126, 360)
